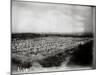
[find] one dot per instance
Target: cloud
(40, 17)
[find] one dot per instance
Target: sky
(51, 18)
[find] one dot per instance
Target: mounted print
(51, 37)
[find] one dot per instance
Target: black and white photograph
(52, 37)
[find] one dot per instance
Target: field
(50, 53)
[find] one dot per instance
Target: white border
(83, 2)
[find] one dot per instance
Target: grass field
(50, 53)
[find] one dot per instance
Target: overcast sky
(43, 17)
